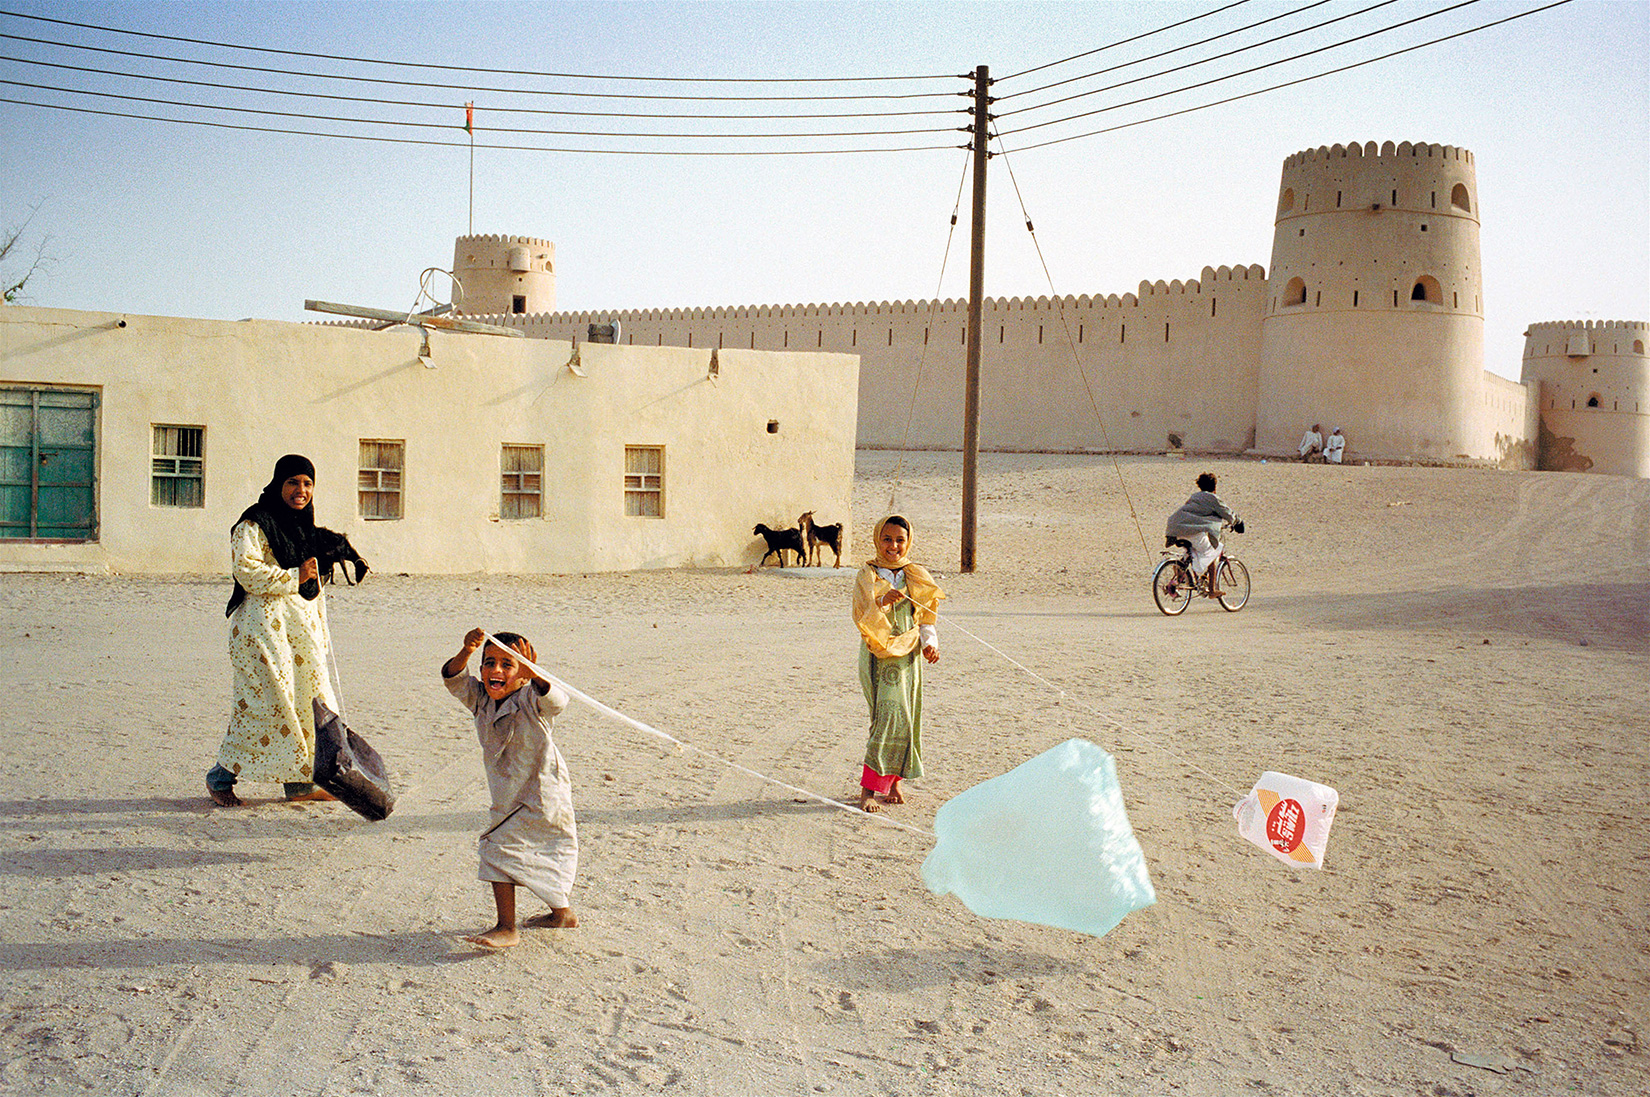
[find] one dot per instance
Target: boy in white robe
(532, 839)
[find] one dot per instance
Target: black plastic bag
(348, 767)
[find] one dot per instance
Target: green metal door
(48, 462)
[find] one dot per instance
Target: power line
(449, 105)
(1235, 52)
(448, 125)
(804, 151)
(1114, 45)
(475, 68)
(1292, 83)
(471, 88)
(1187, 46)
(466, 144)
(1234, 75)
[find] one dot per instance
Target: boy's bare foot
(868, 801)
(895, 796)
(558, 918)
(225, 797)
(499, 937)
(313, 796)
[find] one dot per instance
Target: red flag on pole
(470, 119)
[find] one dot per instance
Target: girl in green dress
(894, 609)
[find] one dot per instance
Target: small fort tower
(1374, 319)
(1594, 381)
(504, 275)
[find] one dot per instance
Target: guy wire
(922, 358)
(1077, 360)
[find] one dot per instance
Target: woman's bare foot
(558, 918)
(868, 801)
(895, 796)
(499, 937)
(313, 796)
(225, 797)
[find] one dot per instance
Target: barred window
(177, 473)
(379, 480)
(523, 482)
(644, 481)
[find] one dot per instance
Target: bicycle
(1174, 582)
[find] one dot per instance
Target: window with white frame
(644, 481)
(522, 488)
(378, 482)
(177, 470)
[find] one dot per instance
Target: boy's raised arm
(453, 667)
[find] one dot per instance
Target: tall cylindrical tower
(1374, 320)
(504, 275)
(1595, 394)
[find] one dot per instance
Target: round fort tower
(504, 275)
(1374, 319)
(1594, 380)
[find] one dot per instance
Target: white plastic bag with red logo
(1288, 817)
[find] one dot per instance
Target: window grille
(177, 472)
(379, 481)
(523, 482)
(644, 481)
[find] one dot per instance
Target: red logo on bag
(1286, 826)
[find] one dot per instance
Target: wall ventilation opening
(773, 426)
(518, 304)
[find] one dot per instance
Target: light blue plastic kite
(1047, 842)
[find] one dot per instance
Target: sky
(153, 217)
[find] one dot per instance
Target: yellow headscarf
(872, 619)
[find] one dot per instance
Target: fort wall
(1175, 358)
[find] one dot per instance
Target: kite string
(614, 714)
(951, 622)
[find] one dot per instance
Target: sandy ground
(1462, 654)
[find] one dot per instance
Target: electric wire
(896, 149)
(448, 125)
(491, 108)
(1289, 83)
(472, 88)
(1187, 46)
(473, 68)
(1228, 76)
(380, 139)
(1121, 42)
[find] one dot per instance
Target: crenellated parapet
(1629, 328)
(503, 240)
(1223, 279)
(1414, 150)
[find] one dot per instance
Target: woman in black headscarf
(277, 642)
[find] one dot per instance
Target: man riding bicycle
(1199, 522)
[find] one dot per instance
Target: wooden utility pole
(976, 295)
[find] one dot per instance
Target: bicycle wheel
(1172, 587)
(1234, 584)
